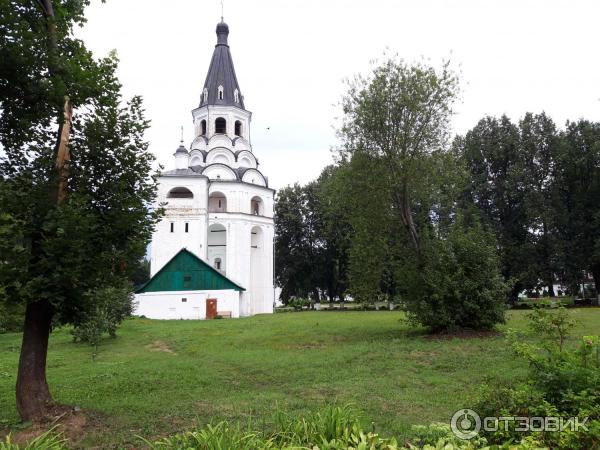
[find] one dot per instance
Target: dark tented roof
(221, 73)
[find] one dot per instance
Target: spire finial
(222, 20)
(222, 30)
(181, 135)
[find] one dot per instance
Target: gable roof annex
(187, 272)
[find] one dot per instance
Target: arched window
(217, 202)
(203, 128)
(236, 96)
(256, 206)
(180, 192)
(220, 126)
(217, 246)
(220, 93)
(238, 128)
(205, 93)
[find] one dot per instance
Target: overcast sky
(291, 57)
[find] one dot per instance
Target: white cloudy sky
(291, 57)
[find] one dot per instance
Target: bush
(299, 303)
(11, 317)
(459, 285)
(562, 382)
(440, 434)
(108, 308)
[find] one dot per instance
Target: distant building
(219, 208)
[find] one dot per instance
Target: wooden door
(211, 308)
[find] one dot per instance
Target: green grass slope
(160, 377)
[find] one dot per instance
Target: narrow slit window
(187, 227)
(172, 227)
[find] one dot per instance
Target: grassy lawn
(160, 377)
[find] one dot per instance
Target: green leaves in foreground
(334, 428)
(46, 441)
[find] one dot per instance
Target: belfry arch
(217, 246)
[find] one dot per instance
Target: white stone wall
(239, 196)
(179, 211)
(251, 268)
(169, 305)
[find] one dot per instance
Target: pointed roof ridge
(141, 288)
(221, 74)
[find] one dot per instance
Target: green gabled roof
(187, 272)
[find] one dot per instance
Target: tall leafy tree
(334, 233)
(367, 196)
(578, 191)
(411, 240)
(400, 114)
(496, 166)
(293, 271)
(312, 239)
(75, 184)
(539, 146)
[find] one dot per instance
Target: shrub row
(334, 428)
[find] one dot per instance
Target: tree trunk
(33, 395)
(63, 156)
(596, 275)
(547, 263)
(403, 207)
(550, 287)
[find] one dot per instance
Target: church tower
(218, 204)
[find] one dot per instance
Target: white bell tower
(218, 203)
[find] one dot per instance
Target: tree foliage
(398, 202)
(577, 210)
(400, 114)
(110, 306)
(536, 186)
(311, 240)
(59, 253)
(405, 185)
(495, 162)
(460, 285)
